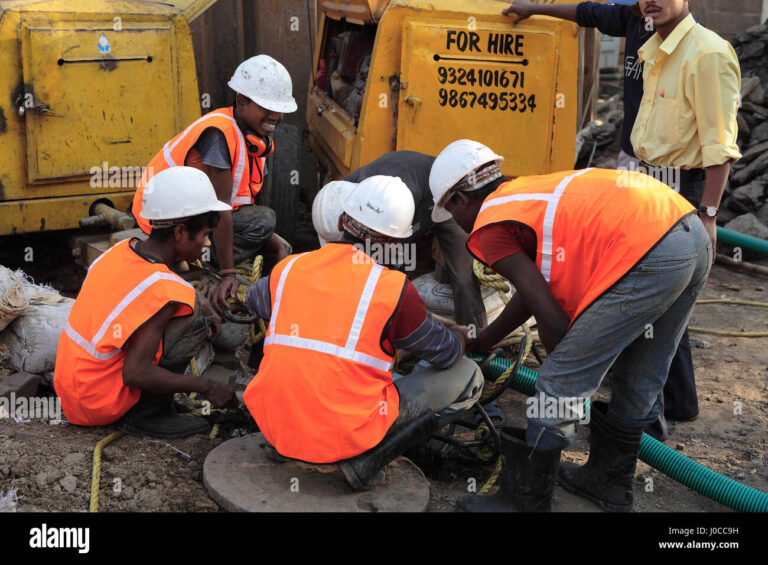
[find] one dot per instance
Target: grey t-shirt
(213, 149)
(413, 169)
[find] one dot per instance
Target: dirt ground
(50, 465)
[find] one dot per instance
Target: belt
(675, 174)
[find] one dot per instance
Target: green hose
(746, 242)
(672, 463)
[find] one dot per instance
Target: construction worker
(107, 361)
(623, 18)
(413, 169)
(611, 273)
(230, 145)
(325, 391)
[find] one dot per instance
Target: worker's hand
(207, 286)
(462, 332)
(219, 394)
(521, 9)
(227, 288)
(214, 320)
(711, 226)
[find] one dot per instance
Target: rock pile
(747, 188)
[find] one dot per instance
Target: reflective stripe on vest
(324, 390)
(592, 226)
(237, 177)
(121, 292)
(552, 201)
(176, 150)
(346, 352)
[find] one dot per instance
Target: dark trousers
(252, 226)
(679, 400)
(468, 302)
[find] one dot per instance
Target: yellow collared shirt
(691, 86)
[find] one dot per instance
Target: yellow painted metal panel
(47, 214)
(492, 84)
(101, 89)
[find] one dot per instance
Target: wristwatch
(709, 211)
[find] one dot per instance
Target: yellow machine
(89, 90)
(419, 74)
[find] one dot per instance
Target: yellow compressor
(419, 74)
(88, 92)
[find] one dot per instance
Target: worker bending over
(106, 363)
(413, 169)
(611, 273)
(325, 391)
(230, 145)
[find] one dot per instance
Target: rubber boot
(367, 469)
(155, 416)
(607, 476)
(527, 478)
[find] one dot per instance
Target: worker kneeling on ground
(230, 145)
(599, 264)
(106, 364)
(325, 391)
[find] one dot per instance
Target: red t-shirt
(498, 241)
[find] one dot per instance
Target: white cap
(266, 82)
(455, 162)
(179, 192)
(327, 208)
(382, 204)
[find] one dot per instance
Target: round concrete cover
(240, 478)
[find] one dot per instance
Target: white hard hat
(454, 163)
(266, 82)
(327, 208)
(179, 192)
(382, 204)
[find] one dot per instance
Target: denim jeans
(635, 327)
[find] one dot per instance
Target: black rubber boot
(527, 478)
(366, 471)
(155, 416)
(607, 476)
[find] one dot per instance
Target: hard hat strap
(360, 231)
(478, 178)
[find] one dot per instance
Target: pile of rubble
(746, 193)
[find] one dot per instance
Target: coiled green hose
(672, 463)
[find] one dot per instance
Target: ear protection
(257, 145)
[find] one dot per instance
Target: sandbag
(438, 298)
(33, 337)
(12, 298)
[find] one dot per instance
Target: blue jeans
(635, 326)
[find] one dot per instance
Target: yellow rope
(492, 479)
(96, 472)
(725, 332)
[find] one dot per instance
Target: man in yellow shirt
(685, 135)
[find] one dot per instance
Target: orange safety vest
(120, 293)
(324, 390)
(246, 183)
(592, 226)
